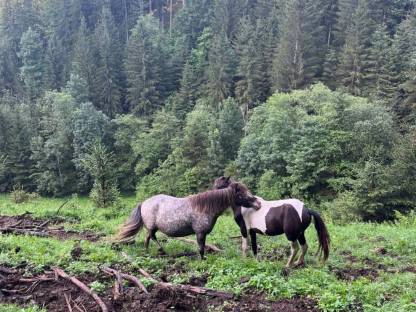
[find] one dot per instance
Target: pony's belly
(178, 232)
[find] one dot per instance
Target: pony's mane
(213, 202)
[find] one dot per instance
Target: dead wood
(11, 230)
(82, 286)
(125, 276)
(7, 270)
(188, 288)
(68, 304)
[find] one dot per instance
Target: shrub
(100, 164)
(19, 195)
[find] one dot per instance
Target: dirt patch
(351, 274)
(27, 225)
(347, 254)
(54, 295)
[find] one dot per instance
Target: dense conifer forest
(314, 99)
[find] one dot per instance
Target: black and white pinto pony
(176, 217)
(288, 216)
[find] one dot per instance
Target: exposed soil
(26, 224)
(351, 274)
(55, 294)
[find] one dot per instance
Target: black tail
(132, 226)
(323, 235)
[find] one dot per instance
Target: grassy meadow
(372, 267)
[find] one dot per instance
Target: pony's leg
(294, 247)
(153, 235)
(244, 242)
(200, 238)
(253, 239)
(304, 248)
(147, 241)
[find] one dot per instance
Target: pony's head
(243, 197)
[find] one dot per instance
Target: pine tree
(77, 87)
(329, 69)
(252, 85)
(408, 107)
(108, 81)
(83, 63)
(220, 71)
(31, 52)
(300, 52)
(380, 72)
(143, 67)
(355, 57)
(192, 78)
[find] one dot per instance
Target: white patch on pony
(257, 218)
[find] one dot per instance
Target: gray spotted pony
(176, 217)
(288, 216)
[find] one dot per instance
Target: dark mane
(213, 202)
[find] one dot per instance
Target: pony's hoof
(299, 264)
(285, 271)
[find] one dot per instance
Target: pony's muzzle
(256, 204)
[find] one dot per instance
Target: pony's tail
(323, 235)
(132, 226)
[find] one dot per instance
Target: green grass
(393, 289)
(13, 308)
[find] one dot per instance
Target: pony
(177, 217)
(288, 216)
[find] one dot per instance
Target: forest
(314, 99)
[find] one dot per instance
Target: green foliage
(18, 195)
(3, 159)
(354, 247)
(144, 65)
(52, 147)
(98, 287)
(32, 57)
(295, 146)
(100, 164)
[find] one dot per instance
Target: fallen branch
(191, 241)
(7, 270)
(10, 230)
(82, 286)
(60, 207)
(125, 276)
(36, 279)
(68, 304)
(43, 224)
(189, 288)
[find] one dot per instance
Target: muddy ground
(27, 225)
(58, 294)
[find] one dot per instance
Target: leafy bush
(19, 195)
(323, 146)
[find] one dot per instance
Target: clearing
(372, 267)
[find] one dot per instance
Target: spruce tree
(220, 70)
(355, 61)
(380, 72)
(143, 67)
(108, 81)
(31, 53)
(252, 85)
(300, 52)
(83, 63)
